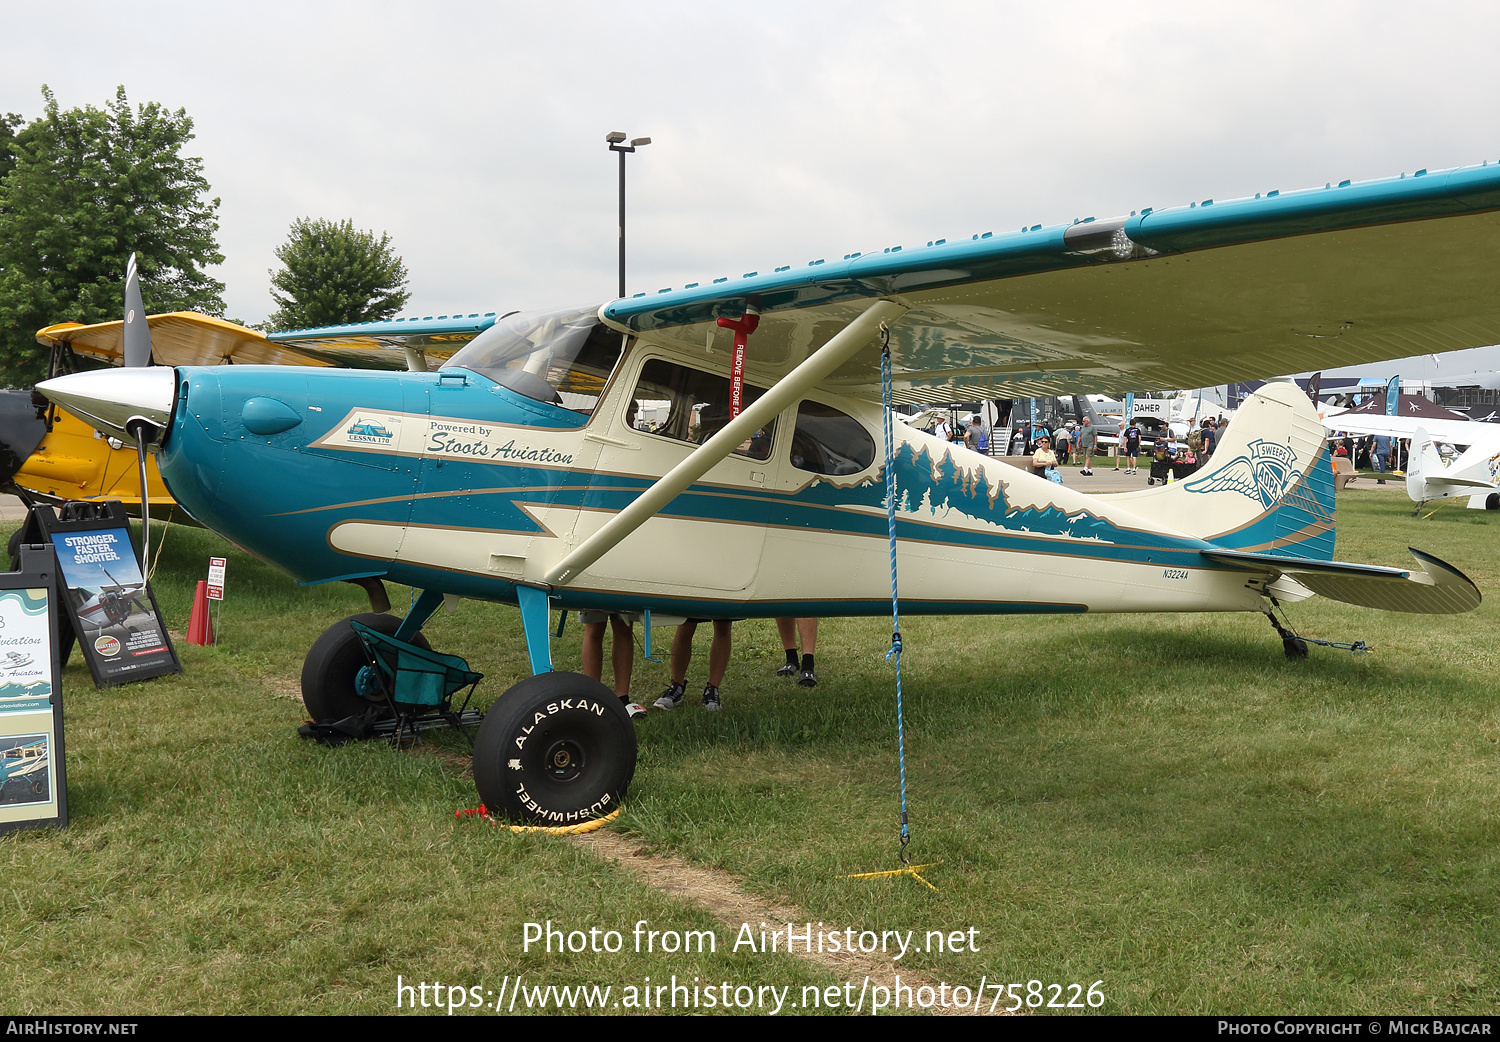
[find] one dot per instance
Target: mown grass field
(1162, 804)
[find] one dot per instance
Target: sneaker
(807, 678)
(634, 709)
(711, 699)
(787, 670)
(671, 698)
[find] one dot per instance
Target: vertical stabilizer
(1268, 488)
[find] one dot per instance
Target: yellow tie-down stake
(915, 871)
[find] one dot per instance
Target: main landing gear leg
(557, 748)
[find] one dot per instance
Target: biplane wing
(1211, 292)
(188, 338)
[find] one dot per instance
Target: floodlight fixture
(614, 137)
(638, 142)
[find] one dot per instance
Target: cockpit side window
(559, 357)
(827, 441)
(673, 401)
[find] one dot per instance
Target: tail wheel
(330, 673)
(556, 749)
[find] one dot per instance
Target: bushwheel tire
(556, 749)
(333, 663)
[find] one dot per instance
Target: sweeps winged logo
(1262, 473)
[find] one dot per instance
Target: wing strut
(788, 389)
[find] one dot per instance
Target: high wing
(1454, 431)
(188, 338)
(1189, 296)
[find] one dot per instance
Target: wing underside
(1187, 297)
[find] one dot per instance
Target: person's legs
(807, 629)
(786, 629)
(718, 652)
(593, 649)
(621, 654)
(682, 651)
(682, 657)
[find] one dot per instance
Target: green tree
(334, 274)
(9, 123)
(89, 187)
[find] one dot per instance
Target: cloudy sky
(474, 132)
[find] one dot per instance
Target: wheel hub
(564, 760)
(367, 684)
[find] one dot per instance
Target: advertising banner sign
(33, 781)
(113, 610)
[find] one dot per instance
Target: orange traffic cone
(200, 625)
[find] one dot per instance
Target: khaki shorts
(589, 618)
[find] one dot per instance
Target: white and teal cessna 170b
(522, 471)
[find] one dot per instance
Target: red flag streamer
(742, 327)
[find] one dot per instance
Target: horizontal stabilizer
(1436, 589)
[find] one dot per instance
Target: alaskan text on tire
(556, 749)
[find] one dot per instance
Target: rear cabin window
(673, 401)
(827, 441)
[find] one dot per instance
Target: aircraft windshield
(561, 357)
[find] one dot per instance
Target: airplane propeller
(137, 354)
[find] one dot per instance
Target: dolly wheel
(330, 673)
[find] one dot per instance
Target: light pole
(614, 138)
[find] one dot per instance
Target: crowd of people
(1379, 453)
(1079, 442)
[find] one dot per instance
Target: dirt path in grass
(722, 896)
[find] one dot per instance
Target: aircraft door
(709, 540)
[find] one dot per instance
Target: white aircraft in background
(1474, 472)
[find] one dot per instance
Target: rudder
(1268, 489)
